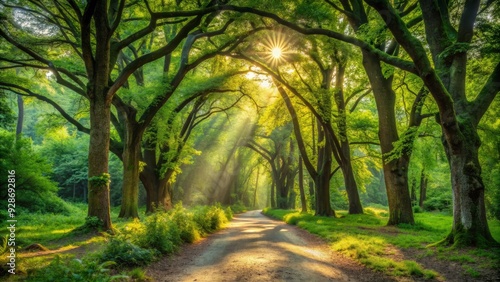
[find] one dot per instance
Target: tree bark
(423, 189)
(470, 225)
(130, 186)
(322, 180)
(20, 116)
(256, 187)
(458, 117)
(396, 170)
(351, 186)
(98, 187)
(301, 187)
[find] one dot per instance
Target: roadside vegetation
(403, 250)
(55, 247)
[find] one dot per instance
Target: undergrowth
(135, 243)
(367, 239)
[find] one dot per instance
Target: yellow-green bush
(184, 220)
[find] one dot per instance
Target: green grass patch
(136, 242)
(367, 239)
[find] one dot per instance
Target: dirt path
(256, 248)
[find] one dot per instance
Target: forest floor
(256, 248)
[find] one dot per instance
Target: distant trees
(87, 41)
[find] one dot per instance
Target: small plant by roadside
(125, 253)
(76, 270)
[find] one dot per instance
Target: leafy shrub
(38, 193)
(292, 218)
(184, 221)
(74, 270)
(93, 222)
(229, 213)
(417, 209)
(125, 253)
(438, 203)
(238, 207)
(209, 218)
(160, 233)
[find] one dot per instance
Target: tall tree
(83, 61)
(449, 41)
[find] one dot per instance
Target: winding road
(256, 248)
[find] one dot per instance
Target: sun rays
(276, 48)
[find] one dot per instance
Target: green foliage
(75, 270)
(92, 223)
(365, 238)
(101, 180)
(159, 233)
(7, 117)
(237, 208)
(3, 244)
(184, 220)
(125, 253)
(417, 209)
(403, 146)
(209, 218)
(441, 202)
(35, 192)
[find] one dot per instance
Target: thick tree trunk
(323, 206)
(322, 181)
(282, 196)
(99, 203)
(158, 192)
(395, 171)
(470, 226)
(130, 186)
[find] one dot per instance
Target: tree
(459, 116)
(280, 155)
(90, 42)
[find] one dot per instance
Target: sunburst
(277, 47)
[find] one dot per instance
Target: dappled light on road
(256, 248)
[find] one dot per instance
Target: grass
(55, 231)
(367, 239)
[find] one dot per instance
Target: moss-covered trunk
(470, 227)
(396, 170)
(130, 186)
(322, 179)
(98, 187)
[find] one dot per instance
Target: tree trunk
(301, 187)
(273, 201)
(20, 116)
(98, 186)
(396, 170)
(130, 186)
(423, 189)
(470, 226)
(256, 187)
(351, 187)
(344, 151)
(322, 181)
(312, 193)
(413, 191)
